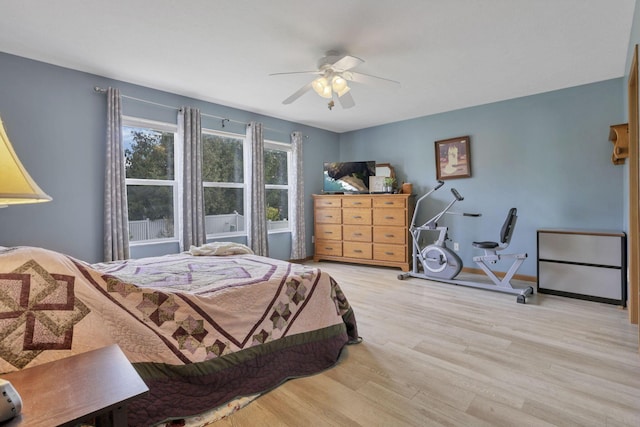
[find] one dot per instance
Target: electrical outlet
(313, 239)
(456, 246)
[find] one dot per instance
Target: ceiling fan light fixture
(320, 85)
(338, 83)
(327, 92)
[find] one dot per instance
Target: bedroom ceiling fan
(335, 73)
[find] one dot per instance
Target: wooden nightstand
(97, 384)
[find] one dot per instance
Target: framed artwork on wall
(453, 158)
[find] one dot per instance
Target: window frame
(282, 146)
(129, 121)
(243, 185)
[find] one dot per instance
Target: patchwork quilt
(200, 330)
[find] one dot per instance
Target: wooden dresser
(363, 228)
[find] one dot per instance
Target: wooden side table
(94, 385)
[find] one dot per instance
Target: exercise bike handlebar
(457, 198)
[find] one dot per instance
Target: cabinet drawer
(580, 248)
(389, 202)
(328, 232)
(356, 216)
(357, 233)
(356, 202)
(328, 216)
(396, 235)
(386, 252)
(328, 247)
(580, 279)
(328, 202)
(357, 250)
(389, 217)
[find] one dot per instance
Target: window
(152, 194)
(152, 182)
(223, 181)
(277, 164)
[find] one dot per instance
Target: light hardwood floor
(441, 355)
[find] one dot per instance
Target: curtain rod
(98, 89)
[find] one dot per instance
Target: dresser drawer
(389, 217)
(389, 202)
(356, 216)
(356, 202)
(357, 250)
(395, 235)
(386, 252)
(328, 216)
(357, 233)
(328, 202)
(328, 232)
(328, 247)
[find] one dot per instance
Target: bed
(201, 331)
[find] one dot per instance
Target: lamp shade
(16, 186)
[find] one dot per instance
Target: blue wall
(548, 155)
(56, 123)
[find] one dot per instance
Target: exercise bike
(441, 264)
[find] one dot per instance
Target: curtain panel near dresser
(298, 235)
(190, 134)
(116, 226)
(254, 172)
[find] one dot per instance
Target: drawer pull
(357, 234)
(388, 203)
(328, 248)
(358, 251)
(357, 203)
(389, 217)
(389, 253)
(328, 232)
(357, 217)
(389, 235)
(329, 216)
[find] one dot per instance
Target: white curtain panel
(116, 222)
(190, 133)
(298, 235)
(257, 219)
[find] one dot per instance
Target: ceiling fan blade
(297, 94)
(296, 72)
(346, 100)
(345, 63)
(369, 79)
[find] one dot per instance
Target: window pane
(275, 167)
(277, 207)
(222, 159)
(148, 153)
(150, 212)
(224, 210)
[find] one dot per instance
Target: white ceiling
(447, 54)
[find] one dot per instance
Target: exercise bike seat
(485, 245)
(505, 233)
